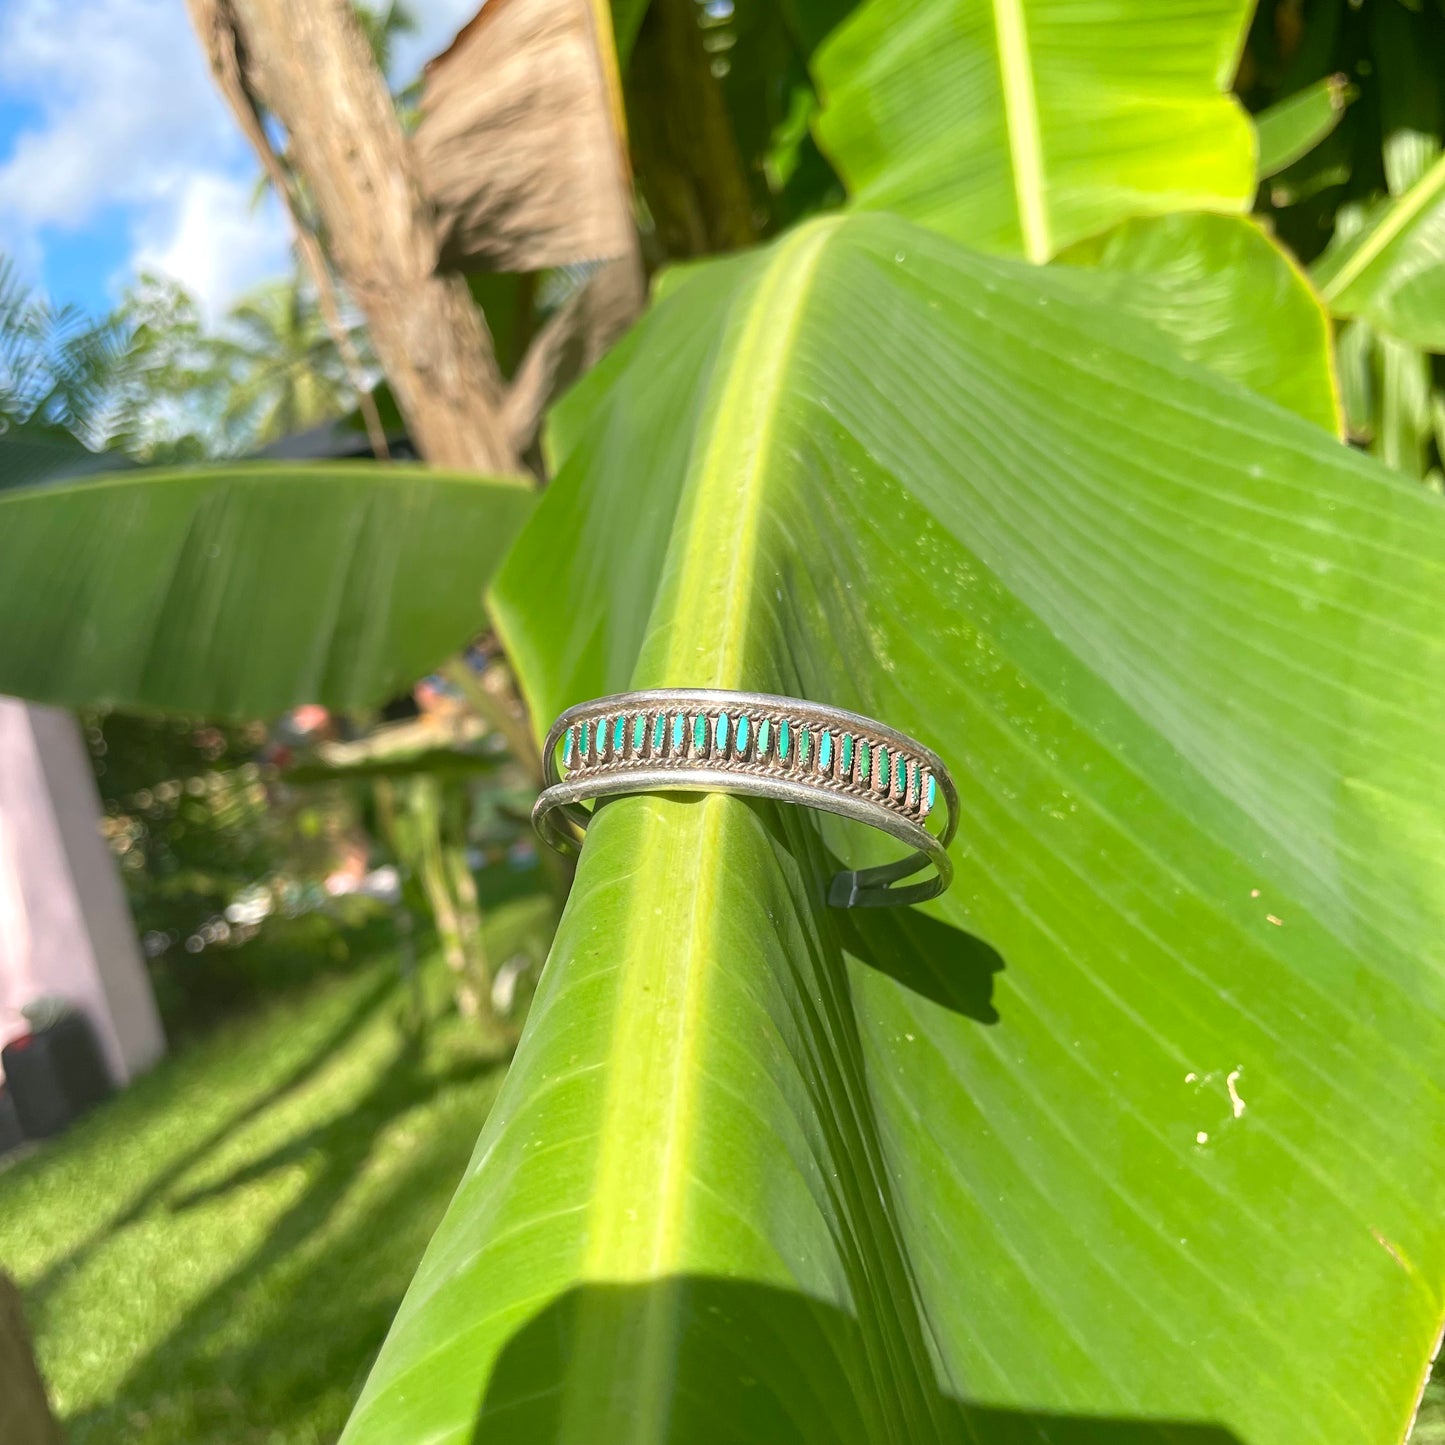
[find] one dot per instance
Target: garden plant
(1020, 431)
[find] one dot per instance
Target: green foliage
(1391, 270)
(1034, 130)
(627, 18)
(157, 382)
(1024, 128)
(186, 391)
(761, 54)
(1072, 1144)
(383, 25)
(32, 453)
(1227, 296)
(745, 164)
(196, 823)
(281, 368)
(242, 591)
(1294, 126)
(164, 397)
(185, 815)
(1363, 205)
(54, 361)
(1126, 1139)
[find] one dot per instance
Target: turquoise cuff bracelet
(756, 744)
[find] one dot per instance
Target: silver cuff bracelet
(752, 743)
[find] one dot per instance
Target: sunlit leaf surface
(1024, 125)
(1135, 1136)
(1392, 270)
(1228, 296)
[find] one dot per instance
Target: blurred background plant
(1376, 176)
(56, 365)
(154, 383)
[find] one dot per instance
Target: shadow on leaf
(711, 1361)
(942, 963)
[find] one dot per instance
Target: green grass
(215, 1255)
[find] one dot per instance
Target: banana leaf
(1023, 126)
(1131, 1138)
(241, 591)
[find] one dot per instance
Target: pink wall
(64, 925)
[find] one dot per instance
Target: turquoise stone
(743, 728)
(825, 751)
(659, 734)
(600, 742)
(847, 756)
(569, 747)
(900, 778)
(586, 741)
(639, 733)
(805, 747)
(880, 770)
(930, 792)
(679, 733)
(619, 736)
(699, 736)
(865, 760)
(720, 734)
(765, 736)
(784, 740)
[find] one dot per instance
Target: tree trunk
(310, 66)
(25, 1417)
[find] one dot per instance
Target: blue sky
(117, 155)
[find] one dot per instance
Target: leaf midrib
(1430, 186)
(730, 473)
(637, 1215)
(1021, 119)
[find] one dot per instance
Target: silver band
(705, 740)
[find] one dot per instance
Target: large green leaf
(627, 18)
(241, 591)
(1143, 1120)
(1392, 270)
(1294, 126)
(1025, 125)
(1228, 295)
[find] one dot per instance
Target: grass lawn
(215, 1255)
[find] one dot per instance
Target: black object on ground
(11, 1134)
(53, 1075)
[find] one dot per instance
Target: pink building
(65, 929)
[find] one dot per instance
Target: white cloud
(126, 107)
(216, 243)
(130, 132)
